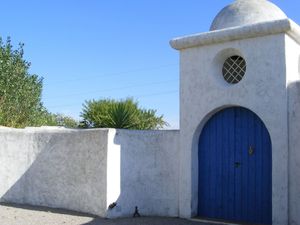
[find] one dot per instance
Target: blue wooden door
(235, 168)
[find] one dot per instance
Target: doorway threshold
(216, 222)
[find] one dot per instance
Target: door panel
(235, 168)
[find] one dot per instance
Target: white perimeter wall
(87, 170)
(54, 167)
(149, 165)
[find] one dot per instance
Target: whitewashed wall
(54, 167)
(86, 170)
(293, 85)
(203, 92)
(149, 164)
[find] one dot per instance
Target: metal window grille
(234, 69)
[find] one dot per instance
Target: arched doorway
(235, 168)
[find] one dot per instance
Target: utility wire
(160, 93)
(140, 96)
(114, 89)
(116, 73)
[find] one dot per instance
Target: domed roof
(245, 12)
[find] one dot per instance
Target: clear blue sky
(92, 49)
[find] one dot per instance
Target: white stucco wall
(54, 167)
(87, 170)
(293, 87)
(263, 90)
(149, 172)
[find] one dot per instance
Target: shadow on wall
(148, 173)
(294, 153)
(61, 170)
(87, 170)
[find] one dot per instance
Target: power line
(117, 73)
(160, 93)
(114, 89)
(140, 96)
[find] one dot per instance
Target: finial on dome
(246, 12)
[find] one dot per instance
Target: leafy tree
(20, 92)
(109, 113)
(64, 121)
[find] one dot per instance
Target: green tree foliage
(124, 114)
(20, 93)
(62, 120)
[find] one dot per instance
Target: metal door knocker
(251, 150)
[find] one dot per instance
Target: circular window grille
(234, 69)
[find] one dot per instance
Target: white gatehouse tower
(240, 117)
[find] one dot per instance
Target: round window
(234, 68)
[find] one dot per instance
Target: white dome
(245, 12)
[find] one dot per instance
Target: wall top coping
(236, 33)
(56, 129)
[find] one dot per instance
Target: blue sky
(92, 49)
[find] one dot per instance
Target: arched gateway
(235, 168)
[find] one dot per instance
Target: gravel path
(11, 214)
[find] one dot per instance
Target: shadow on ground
(94, 220)
(143, 221)
(47, 209)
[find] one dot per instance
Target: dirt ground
(11, 214)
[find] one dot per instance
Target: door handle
(237, 164)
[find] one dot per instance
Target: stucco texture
(87, 170)
(59, 168)
(204, 91)
(293, 87)
(245, 12)
(149, 166)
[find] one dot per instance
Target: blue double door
(235, 168)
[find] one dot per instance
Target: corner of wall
(293, 93)
(113, 171)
